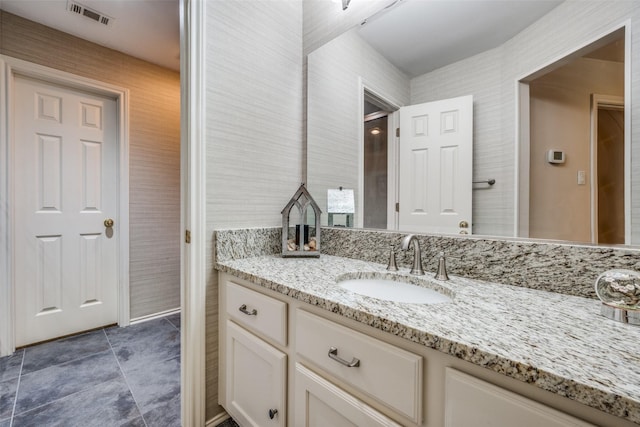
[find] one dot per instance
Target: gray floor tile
(158, 394)
(157, 386)
(167, 415)
(77, 381)
(174, 319)
(106, 404)
(138, 422)
(10, 365)
(143, 344)
(7, 397)
(46, 385)
(63, 350)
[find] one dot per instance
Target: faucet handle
(392, 265)
(441, 274)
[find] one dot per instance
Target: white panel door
(65, 266)
(436, 165)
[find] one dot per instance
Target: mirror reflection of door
(432, 176)
(435, 172)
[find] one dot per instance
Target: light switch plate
(582, 180)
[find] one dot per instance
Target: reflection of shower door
(436, 162)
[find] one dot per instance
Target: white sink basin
(393, 290)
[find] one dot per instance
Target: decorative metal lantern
(301, 226)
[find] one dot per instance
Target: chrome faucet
(417, 253)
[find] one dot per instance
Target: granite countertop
(557, 342)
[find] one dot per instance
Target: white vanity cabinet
(260, 350)
(319, 369)
(255, 372)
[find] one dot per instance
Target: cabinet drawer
(471, 401)
(258, 312)
(320, 404)
(391, 375)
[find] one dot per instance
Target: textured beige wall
(253, 70)
(561, 120)
(154, 149)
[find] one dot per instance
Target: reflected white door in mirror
(436, 166)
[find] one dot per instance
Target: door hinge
(397, 207)
(397, 132)
(187, 236)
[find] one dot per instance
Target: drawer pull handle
(243, 308)
(333, 354)
(272, 413)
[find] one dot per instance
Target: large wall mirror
(552, 146)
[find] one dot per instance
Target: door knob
(463, 224)
(108, 223)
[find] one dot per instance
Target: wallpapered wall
(253, 130)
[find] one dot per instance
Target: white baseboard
(154, 316)
(218, 419)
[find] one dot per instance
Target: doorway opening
(375, 147)
(563, 171)
(378, 178)
(607, 139)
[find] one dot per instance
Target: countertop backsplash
(555, 267)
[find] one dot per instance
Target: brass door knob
(108, 223)
(463, 224)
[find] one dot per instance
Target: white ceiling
(416, 35)
(419, 36)
(146, 29)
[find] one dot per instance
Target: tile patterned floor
(125, 377)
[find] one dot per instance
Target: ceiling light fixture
(375, 131)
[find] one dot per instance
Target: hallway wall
(154, 138)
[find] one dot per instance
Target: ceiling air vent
(92, 14)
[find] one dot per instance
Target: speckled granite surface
(557, 342)
(248, 242)
(561, 268)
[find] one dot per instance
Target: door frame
(522, 128)
(393, 105)
(193, 199)
(9, 69)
